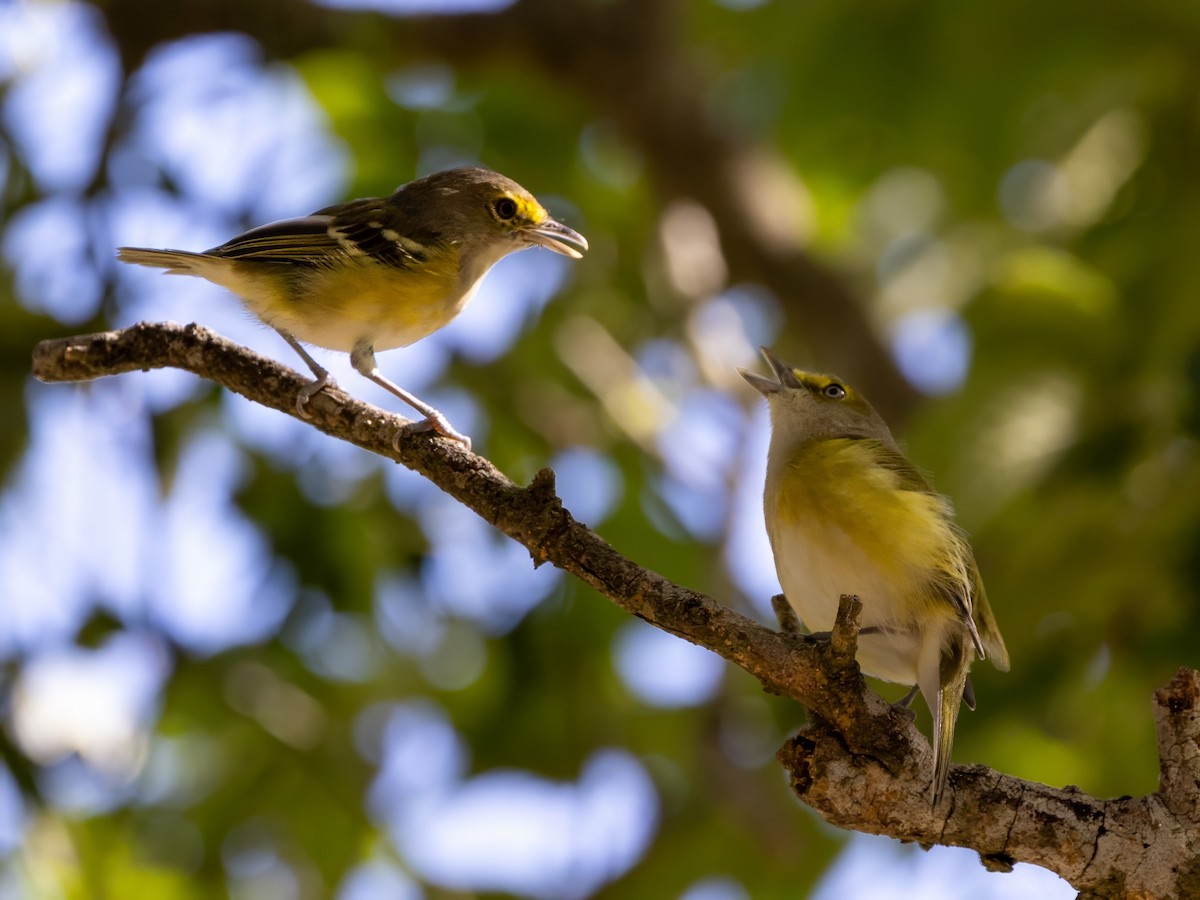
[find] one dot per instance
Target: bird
(375, 274)
(847, 513)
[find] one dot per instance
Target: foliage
(317, 656)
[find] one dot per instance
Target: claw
(436, 423)
(308, 392)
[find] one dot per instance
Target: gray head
(482, 212)
(809, 406)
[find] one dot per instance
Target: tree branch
(860, 763)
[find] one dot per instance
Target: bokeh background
(243, 659)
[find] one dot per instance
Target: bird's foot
(826, 636)
(308, 392)
(436, 423)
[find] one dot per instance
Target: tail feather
(945, 717)
(176, 262)
(943, 679)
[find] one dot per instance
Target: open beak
(557, 237)
(784, 377)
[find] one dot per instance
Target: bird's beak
(784, 375)
(557, 237)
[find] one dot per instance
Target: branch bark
(860, 762)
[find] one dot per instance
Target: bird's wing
(360, 228)
(957, 578)
(989, 631)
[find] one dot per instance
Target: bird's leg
(319, 372)
(789, 622)
(968, 695)
(363, 359)
(825, 635)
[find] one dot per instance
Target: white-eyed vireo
(847, 513)
(376, 274)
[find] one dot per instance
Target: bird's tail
(943, 689)
(945, 717)
(176, 262)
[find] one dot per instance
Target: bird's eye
(505, 208)
(834, 391)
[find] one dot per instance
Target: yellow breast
(359, 301)
(840, 523)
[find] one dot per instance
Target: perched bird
(376, 274)
(847, 513)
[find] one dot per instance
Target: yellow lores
(847, 513)
(376, 274)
